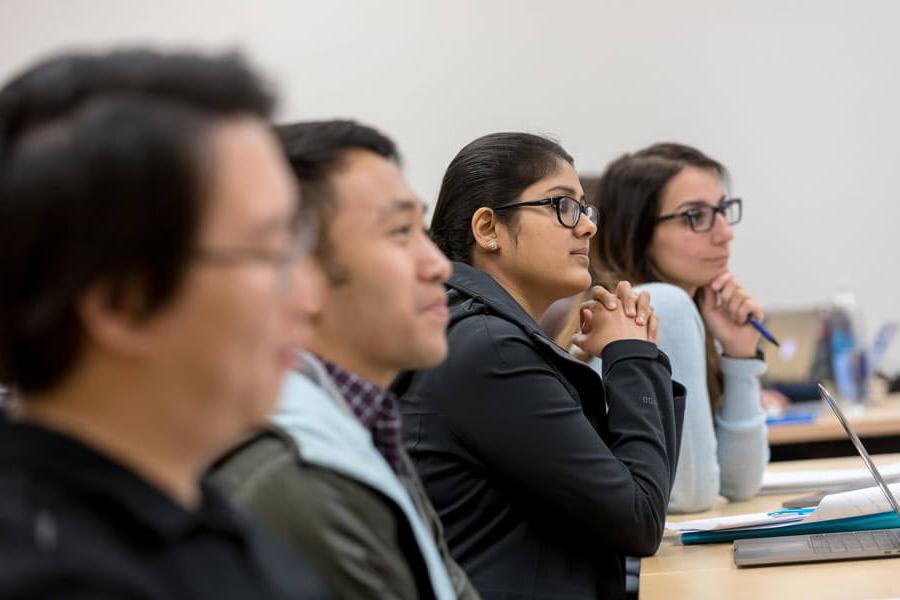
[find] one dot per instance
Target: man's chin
(427, 356)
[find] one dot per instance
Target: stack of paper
(772, 519)
(788, 482)
(855, 510)
(855, 503)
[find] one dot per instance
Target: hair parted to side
(315, 151)
(103, 172)
(627, 197)
(490, 171)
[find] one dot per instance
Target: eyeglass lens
(703, 218)
(570, 211)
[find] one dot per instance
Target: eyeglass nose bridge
(585, 210)
(716, 211)
(289, 267)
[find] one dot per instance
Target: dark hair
(315, 150)
(627, 197)
(102, 181)
(491, 171)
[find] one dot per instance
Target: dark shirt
(75, 524)
(375, 408)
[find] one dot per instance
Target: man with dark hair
(330, 474)
(151, 240)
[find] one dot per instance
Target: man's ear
(484, 230)
(113, 321)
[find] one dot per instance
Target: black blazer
(544, 476)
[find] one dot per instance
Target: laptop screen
(857, 443)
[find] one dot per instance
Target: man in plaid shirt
(330, 475)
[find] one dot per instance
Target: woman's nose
(722, 232)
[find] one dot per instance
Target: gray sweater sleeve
(724, 453)
(741, 429)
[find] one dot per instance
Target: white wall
(799, 99)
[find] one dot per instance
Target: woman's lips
(581, 254)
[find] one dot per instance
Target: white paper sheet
(735, 522)
(867, 501)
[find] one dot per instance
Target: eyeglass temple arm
(542, 202)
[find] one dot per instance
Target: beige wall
(799, 99)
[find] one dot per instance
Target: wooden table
(878, 425)
(881, 418)
(708, 571)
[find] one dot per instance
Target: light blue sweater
(725, 453)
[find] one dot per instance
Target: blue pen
(751, 320)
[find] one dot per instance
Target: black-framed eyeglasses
(702, 218)
(568, 210)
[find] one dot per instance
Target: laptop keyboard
(857, 541)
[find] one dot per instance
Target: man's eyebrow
(401, 205)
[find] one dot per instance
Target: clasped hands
(611, 316)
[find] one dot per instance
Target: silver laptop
(849, 545)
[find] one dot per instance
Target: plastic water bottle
(848, 356)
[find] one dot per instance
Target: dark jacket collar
(472, 291)
(468, 284)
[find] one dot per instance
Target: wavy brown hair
(627, 197)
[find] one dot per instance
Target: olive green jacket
(341, 513)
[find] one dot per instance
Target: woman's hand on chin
(607, 317)
(725, 308)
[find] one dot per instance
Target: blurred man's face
(229, 334)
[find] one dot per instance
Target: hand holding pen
(733, 316)
(751, 320)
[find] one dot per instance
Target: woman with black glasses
(544, 476)
(667, 224)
